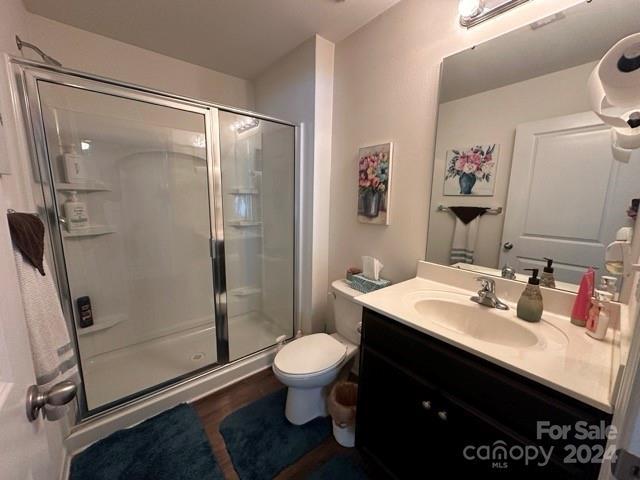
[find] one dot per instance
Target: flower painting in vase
(374, 180)
(471, 171)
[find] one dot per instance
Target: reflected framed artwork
(471, 171)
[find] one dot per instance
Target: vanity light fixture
(473, 12)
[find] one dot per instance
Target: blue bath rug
(343, 467)
(170, 446)
(262, 442)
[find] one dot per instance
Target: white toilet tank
(346, 313)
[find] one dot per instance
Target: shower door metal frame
(24, 76)
(27, 77)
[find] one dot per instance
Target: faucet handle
(488, 284)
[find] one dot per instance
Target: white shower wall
(148, 251)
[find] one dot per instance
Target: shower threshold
(119, 374)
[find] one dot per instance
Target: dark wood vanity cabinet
(425, 406)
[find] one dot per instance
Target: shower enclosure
(171, 227)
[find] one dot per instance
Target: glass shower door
(257, 161)
(130, 177)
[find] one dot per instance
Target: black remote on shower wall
(85, 313)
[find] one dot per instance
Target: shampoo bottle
(75, 212)
(75, 167)
(530, 305)
(547, 279)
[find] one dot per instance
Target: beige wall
(299, 88)
(492, 117)
(89, 52)
(14, 193)
(386, 88)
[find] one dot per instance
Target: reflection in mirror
(524, 174)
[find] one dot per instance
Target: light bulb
(469, 8)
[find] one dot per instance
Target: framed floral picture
(374, 181)
(471, 171)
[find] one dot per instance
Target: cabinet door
(397, 425)
(477, 444)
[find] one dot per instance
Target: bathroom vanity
(473, 391)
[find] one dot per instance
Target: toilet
(309, 364)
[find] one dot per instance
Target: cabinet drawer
(495, 391)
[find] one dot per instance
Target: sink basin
(478, 322)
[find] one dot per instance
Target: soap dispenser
(547, 279)
(530, 304)
(75, 212)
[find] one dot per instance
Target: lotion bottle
(530, 305)
(547, 279)
(598, 323)
(75, 213)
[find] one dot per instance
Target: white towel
(53, 356)
(464, 241)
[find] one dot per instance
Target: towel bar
(491, 211)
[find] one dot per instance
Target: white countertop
(570, 361)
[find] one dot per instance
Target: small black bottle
(85, 312)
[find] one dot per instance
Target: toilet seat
(310, 355)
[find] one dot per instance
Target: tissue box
(365, 285)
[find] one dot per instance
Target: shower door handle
(58, 395)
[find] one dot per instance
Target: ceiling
(238, 37)
(581, 34)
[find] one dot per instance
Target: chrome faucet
(508, 272)
(487, 295)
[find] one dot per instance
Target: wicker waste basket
(341, 404)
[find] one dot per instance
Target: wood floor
(214, 408)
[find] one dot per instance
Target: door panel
(398, 424)
(570, 221)
(140, 168)
(257, 161)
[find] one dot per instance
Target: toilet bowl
(309, 364)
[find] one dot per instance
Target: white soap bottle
(76, 213)
(598, 328)
(75, 166)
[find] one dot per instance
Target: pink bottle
(582, 305)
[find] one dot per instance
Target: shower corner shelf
(244, 223)
(92, 231)
(244, 291)
(243, 191)
(83, 187)
(107, 323)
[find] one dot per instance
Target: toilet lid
(310, 354)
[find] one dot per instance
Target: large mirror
(524, 168)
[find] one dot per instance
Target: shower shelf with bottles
(84, 187)
(92, 231)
